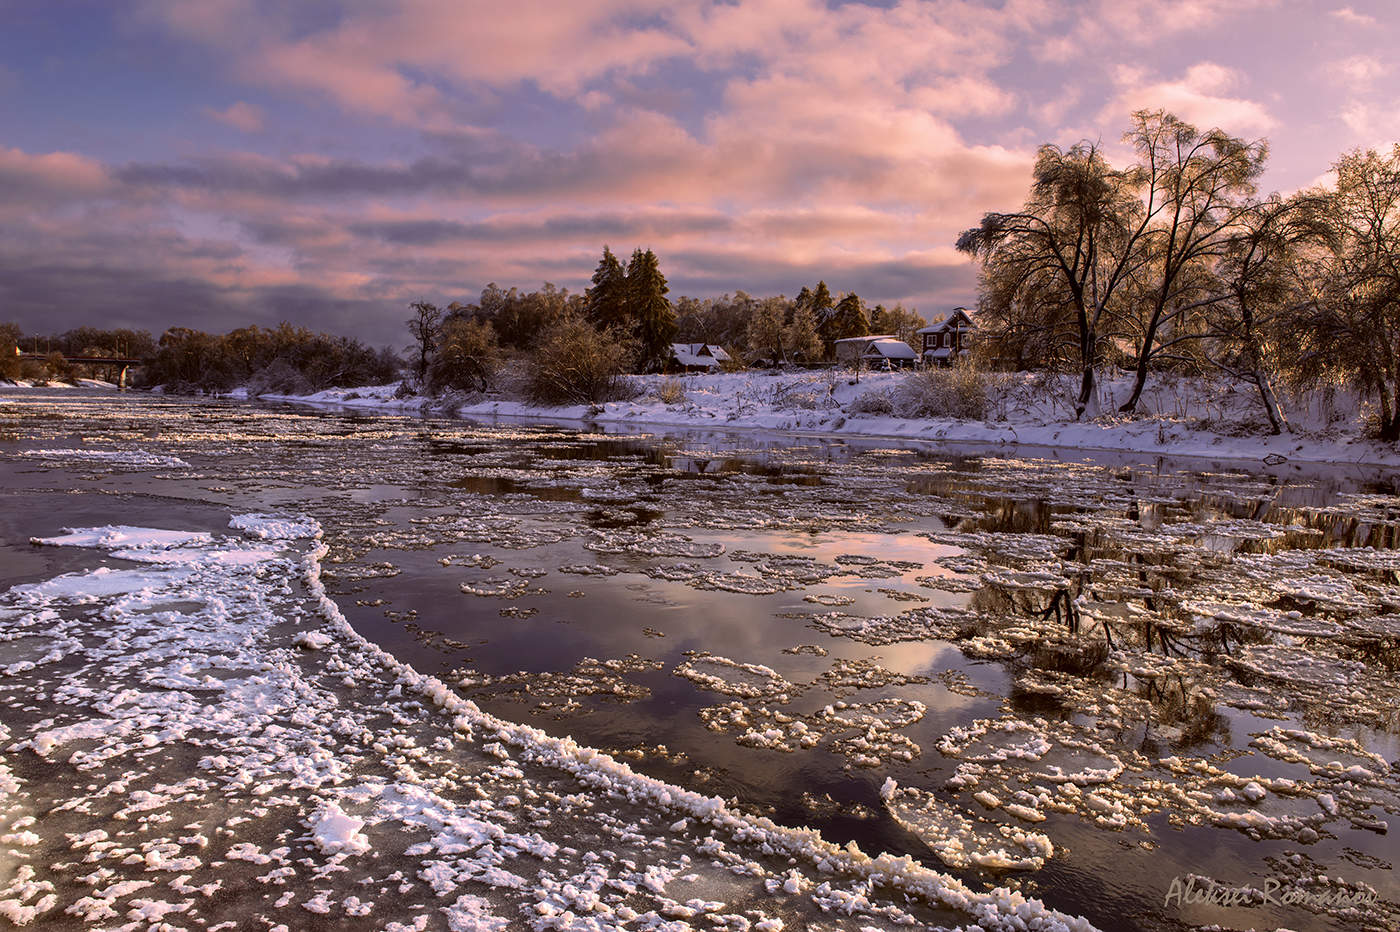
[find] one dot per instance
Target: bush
(875, 402)
(279, 378)
(671, 391)
(58, 367)
(576, 364)
(467, 356)
(959, 392)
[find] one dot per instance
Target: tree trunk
(1278, 423)
(1130, 406)
(1086, 392)
(1390, 416)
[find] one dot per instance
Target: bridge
(113, 361)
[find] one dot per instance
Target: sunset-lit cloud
(240, 115)
(241, 161)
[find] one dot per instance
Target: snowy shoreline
(814, 405)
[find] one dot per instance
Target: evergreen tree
(606, 302)
(822, 304)
(824, 312)
(849, 318)
(877, 319)
(803, 302)
(653, 319)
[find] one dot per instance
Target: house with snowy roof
(878, 351)
(948, 339)
(697, 357)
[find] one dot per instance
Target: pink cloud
(240, 115)
(1352, 18)
(49, 177)
(1199, 96)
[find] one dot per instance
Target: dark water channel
(1163, 668)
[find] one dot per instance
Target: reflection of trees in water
(1178, 701)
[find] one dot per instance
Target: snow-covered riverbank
(1179, 417)
(199, 738)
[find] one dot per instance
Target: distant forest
(464, 345)
(1173, 263)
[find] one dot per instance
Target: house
(889, 353)
(697, 357)
(948, 339)
(878, 351)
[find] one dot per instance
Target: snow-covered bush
(876, 401)
(959, 392)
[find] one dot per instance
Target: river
(1086, 677)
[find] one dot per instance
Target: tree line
(284, 358)
(1177, 263)
(462, 345)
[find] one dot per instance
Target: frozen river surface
(1153, 694)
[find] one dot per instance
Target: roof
(866, 339)
(891, 348)
(707, 355)
(947, 322)
(942, 352)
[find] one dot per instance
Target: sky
(221, 163)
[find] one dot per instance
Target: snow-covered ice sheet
(137, 459)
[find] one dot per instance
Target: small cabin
(878, 351)
(948, 339)
(889, 353)
(697, 357)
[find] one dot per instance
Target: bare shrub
(279, 377)
(959, 392)
(467, 357)
(804, 395)
(876, 402)
(671, 391)
(576, 364)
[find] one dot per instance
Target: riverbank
(1177, 417)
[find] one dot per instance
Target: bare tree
(467, 355)
(1074, 243)
(1349, 328)
(764, 333)
(1196, 185)
(426, 327)
(1257, 273)
(800, 335)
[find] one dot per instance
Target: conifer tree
(803, 302)
(606, 302)
(822, 303)
(651, 314)
(848, 320)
